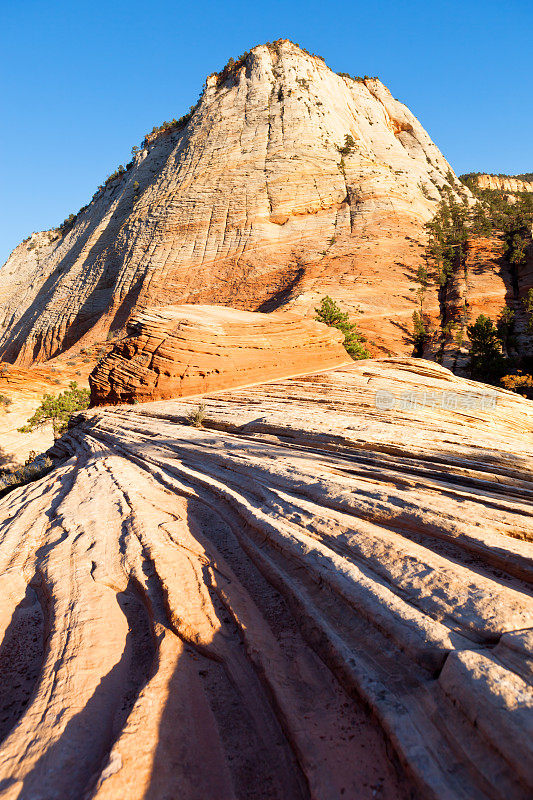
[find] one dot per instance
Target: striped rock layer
(175, 351)
(324, 593)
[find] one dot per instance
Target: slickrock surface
(250, 205)
(178, 351)
(208, 612)
(504, 183)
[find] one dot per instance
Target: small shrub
(330, 314)
(357, 78)
(58, 410)
(521, 384)
(421, 334)
(5, 401)
(349, 144)
(118, 173)
(67, 224)
(34, 468)
(196, 417)
(172, 125)
(505, 326)
(486, 355)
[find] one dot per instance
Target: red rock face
(178, 351)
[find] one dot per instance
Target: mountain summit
(286, 182)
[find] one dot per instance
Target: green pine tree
(57, 410)
(331, 314)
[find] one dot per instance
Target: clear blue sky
(84, 81)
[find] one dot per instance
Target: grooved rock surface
(175, 351)
(207, 612)
(250, 205)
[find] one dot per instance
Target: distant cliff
(503, 183)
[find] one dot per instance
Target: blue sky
(83, 81)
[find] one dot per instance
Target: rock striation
(175, 351)
(288, 182)
(214, 612)
(504, 183)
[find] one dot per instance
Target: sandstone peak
(284, 180)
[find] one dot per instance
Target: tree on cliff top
(329, 313)
(58, 410)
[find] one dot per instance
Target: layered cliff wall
(178, 351)
(504, 183)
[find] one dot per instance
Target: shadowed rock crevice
(68, 769)
(21, 658)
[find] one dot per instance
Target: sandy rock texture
(252, 205)
(324, 593)
(176, 351)
(22, 390)
(504, 183)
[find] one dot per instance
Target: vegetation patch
(348, 147)
(519, 383)
(196, 417)
(331, 314)
(34, 468)
(57, 410)
(171, 125)
(358, 78)
(449, 235)
(525, 176)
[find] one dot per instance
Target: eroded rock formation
(260, 200)
(208, 612)
(176, 351)
(504, 183)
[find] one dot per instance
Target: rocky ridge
(504, 183)
(178, 351)
(210, 611)
(258, 200)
